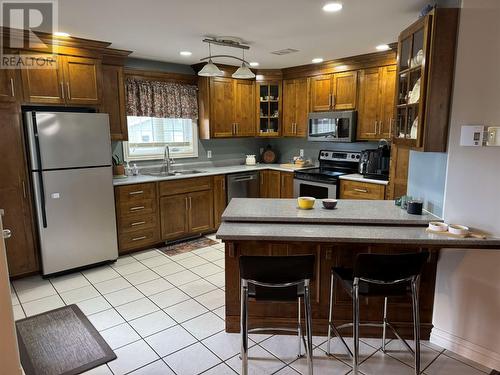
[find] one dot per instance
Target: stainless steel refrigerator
(70, 165)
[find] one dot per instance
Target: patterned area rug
(187, 246)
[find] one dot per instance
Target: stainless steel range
(322, 182)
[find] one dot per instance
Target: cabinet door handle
(333, 100)
(7, 233)
(190, 203)
(360, 190)
(186, 201)
(136, 192)
(137, 223)
(295, 128)
(62, 90)
(24, 189)
(390, 127)
(330, 100)
(12, 92)
(69, 92)
(137, 208)
(139, 238)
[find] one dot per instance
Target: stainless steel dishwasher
(243, 185)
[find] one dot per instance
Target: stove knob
(357, 156)
(352, 156)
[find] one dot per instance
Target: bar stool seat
(378, 275)
(276, 278)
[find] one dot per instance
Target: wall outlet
(209, 154)
(301, 153)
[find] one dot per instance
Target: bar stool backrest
(277, 269)
(389, 267)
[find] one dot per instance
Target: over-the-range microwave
(335, 126)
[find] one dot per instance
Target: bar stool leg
(244, 327)
(416, 324)
(355, 327)
(308, 316)
(384, 324)
(330, 316)
(299, 330)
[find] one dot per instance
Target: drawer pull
(138, 208)
(136, 192)
(361, 190)
(137, 223)
(139, 238)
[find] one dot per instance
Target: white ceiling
(160, 29)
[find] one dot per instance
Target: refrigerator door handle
(41, 192)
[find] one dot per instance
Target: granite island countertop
(348, 211)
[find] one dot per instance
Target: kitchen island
(334, 237)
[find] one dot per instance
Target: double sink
(163, 172)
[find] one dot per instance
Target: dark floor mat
(61, 342)
(187, 246)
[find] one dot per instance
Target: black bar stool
(379, 275)
(276, 278)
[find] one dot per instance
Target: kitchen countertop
(361, 234)
(207, 171)
(360, 178)
(347, 212)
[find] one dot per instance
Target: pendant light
(210, 69)
(243, 71)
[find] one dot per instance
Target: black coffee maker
(374, 163)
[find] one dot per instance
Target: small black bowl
(329, 204)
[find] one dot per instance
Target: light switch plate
(472, 135)
(301, 153)
(209, 154)
(493, 136)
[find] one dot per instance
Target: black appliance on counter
(322, 182)
(374, 163)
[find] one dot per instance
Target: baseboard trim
(465, 348)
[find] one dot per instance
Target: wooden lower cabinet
(361, 190)
(276, 184)
(220, 198)
(14, 194)
(398, 172)
(286, 190)
(174, 216)
(200, 214)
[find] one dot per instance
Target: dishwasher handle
(244, 178)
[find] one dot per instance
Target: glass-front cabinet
(269, 109)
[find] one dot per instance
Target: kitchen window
(148, 136)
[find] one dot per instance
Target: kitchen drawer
(136, 192)
(137, 207)
(361, 190)
(137, 239)
(185, 185)
(135, 223)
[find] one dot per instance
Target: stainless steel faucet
(168, 161)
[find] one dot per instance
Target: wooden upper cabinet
(82, 77)
(334, 91)
(113, 101)
(295, 107)
(44, 86)
(74, 81)
(244, 108)
(321, 93)
(221, 110)
(344, 90)
(376, 103)
(8, 85)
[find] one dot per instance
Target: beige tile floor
(165, 315)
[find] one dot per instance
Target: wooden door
(113, 101)
(244, 107)
(201, 211)
(344, 90)
(289, 103)
(14, 193)
(8, 87)
(174, 216)
(220, 198)
(321, 93)
(82, 78)
(398, 172)
(221, 111)
(369, 93)
(387, 97)
(301, 107)
(44, 86)
(286, 189)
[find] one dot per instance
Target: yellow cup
(306, 203)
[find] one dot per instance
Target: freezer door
(60, 140)
(78, 205)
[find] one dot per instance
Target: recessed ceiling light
(60, 33)
(317, 60)
(185, 53)
(254, 63)
(332, 7)
(382, 47)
